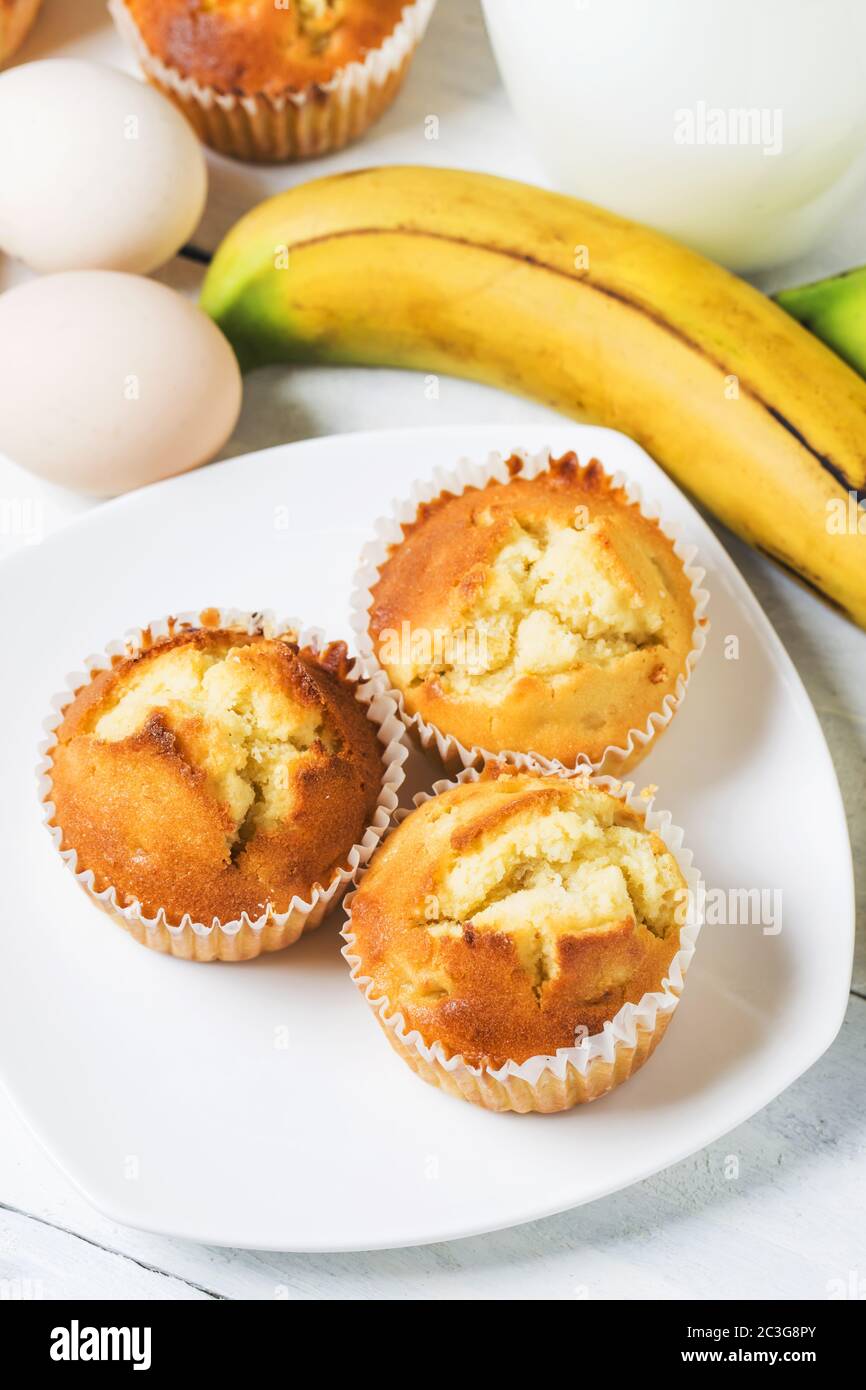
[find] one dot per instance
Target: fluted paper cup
(574, 1075)
(244, 937)
(617, 759)
(297, 124)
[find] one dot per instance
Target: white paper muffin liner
(242, 938)
(299, 124)
(574, 1075)
(616, 759)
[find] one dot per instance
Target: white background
(792, 1223)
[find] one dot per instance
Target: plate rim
(707, 541)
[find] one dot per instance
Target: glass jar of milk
(738, 126)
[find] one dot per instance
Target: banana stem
(834, 310)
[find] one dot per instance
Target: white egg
(97, 170)
(109, 381)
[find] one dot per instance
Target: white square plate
(259, 1105)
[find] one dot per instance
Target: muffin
(266, 81)
(509, 918)
(542, 617)
(16, 18)
(216, 787)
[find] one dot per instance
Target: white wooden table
(793, 1222)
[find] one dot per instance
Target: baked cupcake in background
(216, 786)
(539, 614)
(514, 915)
(270, 81)
(16, 20)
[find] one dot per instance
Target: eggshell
(109, 381)
(97, 170)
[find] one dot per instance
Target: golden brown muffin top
(504, 914)
(543, 615)
(249, 46)
(16, 17)
(215, 774)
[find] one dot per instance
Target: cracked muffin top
(216, 773)
(543, 615)
(505, 914)
(244, 47)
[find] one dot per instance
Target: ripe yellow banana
(601, 318)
